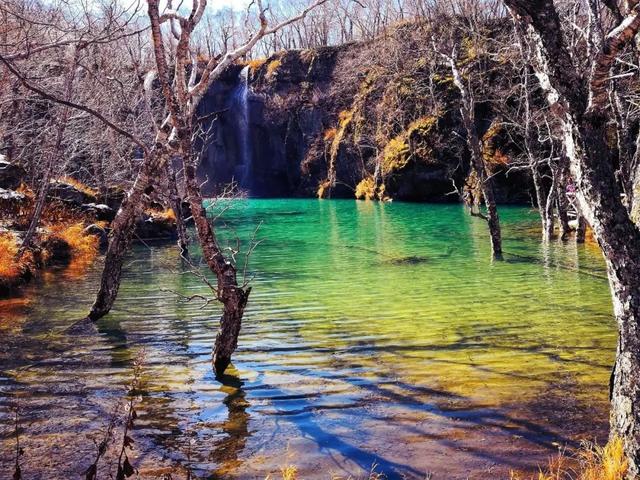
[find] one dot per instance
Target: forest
(320, 239)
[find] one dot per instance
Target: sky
(235, 4)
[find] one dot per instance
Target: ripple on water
(375, 333)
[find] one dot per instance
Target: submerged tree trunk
(477, 162)
(233, 296)
(581, 230)
(545, 202)
(551, 200)
(562, 201)
(122, 228)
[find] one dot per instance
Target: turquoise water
(375, 334)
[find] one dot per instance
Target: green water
(375, 333)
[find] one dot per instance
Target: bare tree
(181, 91)
(582, 112)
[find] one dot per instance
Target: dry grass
(590, 463)
(84, 247)
(167, 215)
(12, 268)
(25, 190)
(256, 63)
(9, 267)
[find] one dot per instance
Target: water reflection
(226, 452)
(375, 333)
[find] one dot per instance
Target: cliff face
(371, 120)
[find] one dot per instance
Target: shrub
(491, 154)
(12, 268)
(395, 155)
(256, 63)
(9, 267)
(323, 187)
(366, 189)
(167, 215)
(414, 140)
(82, 246)
(273, 67)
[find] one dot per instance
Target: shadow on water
(344, 352)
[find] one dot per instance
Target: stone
(11, 175)
(100, 211)
(152, 228)
(69, 193)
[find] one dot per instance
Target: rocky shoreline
(74, 226)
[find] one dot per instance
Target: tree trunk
(477, 161)
(176, 205)
(562, 203)
(550, 202)
(583, 132)
(122, 228)
(232, 296)
(493, 219)
(545, 202)
(55, 155)
(619, 238)
(581, 231)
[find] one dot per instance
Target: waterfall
(244, 173)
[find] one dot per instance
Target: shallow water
(375, 334)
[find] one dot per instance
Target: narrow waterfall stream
(243, 175)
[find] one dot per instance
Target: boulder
(59, 251)
(99, 232)
(11, 196)
(99, 211)
(10, 175)
(113, 197)
(11, 202)
(154, 228)
(69, 193)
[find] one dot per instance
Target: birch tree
(582, 109)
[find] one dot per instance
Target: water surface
(375, 334)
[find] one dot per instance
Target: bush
(12, 268)
(273, 67)
(82, 246)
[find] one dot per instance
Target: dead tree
(182, 92)
(478, 166)
(54, 155)
(582, 111)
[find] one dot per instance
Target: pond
(376, 336)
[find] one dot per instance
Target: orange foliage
(12, 268)
(167, 215)
(84, 247)
(330, 134)
(256, 63)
